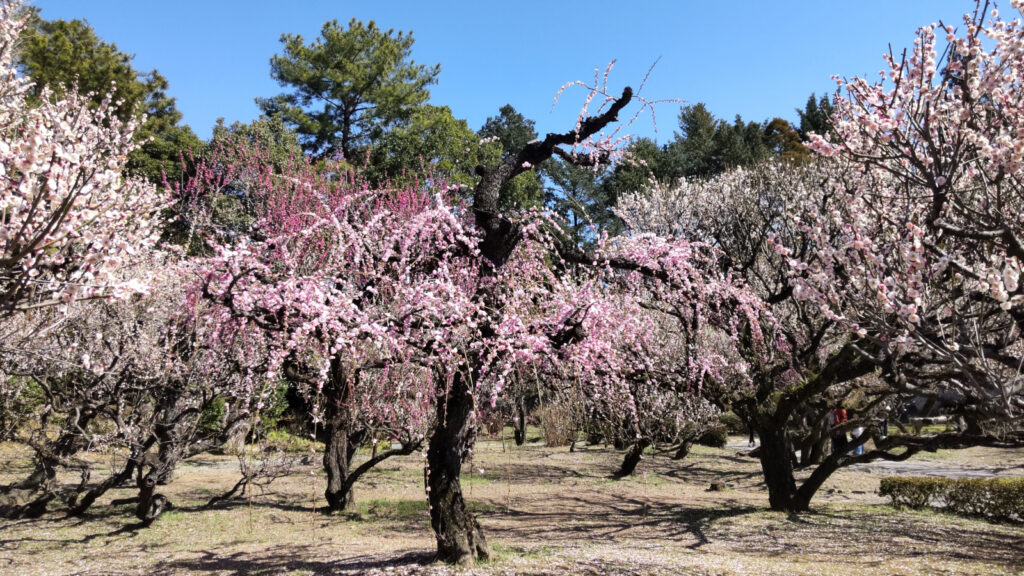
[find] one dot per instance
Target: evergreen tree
(692, 152)
(59, 53)
(705, 146)
(815, 117)
(347, 87)
(784, 141)
(576, 194)
(434, 139)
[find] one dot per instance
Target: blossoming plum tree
(140, 376)
(920, 257)
(69, 219)
(345, 284)
(789, 387)
(383, 301)
(891, 267)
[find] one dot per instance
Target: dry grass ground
(545, 511)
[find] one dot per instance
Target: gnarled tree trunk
(150, 503)
(777, 464)
(633, 457)
(30, 497)
(338, 451)
(460, 539)
(83, 501)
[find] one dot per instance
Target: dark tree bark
(683, 450)
(338, 453)
(151, 504)
(815, 444)
(519, 424)
(80, 505)
(777, 465)
(460, 539)
(342, 438)
(633, 457)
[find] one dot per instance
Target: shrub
(733, 423)
(286, 442)
(557, 424)
(714, 437)
(1000, 499)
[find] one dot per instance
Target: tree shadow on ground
(595, 517)
(131, 529)
(289, 559)
(918, 535)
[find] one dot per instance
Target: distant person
(835, 420)
(856, 434)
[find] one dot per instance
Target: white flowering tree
(144, 377)
(920, 255)
(70, 222)
(891, 267)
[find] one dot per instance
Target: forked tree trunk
(460, 539)
(150, 503)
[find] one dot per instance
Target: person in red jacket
(837, 418)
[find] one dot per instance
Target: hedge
(1000, 499)
(714, 437)
(733, 423)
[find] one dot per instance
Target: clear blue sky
(757, 58)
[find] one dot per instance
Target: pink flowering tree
(71, 222)
(353, 290)
(692, 312)
(411, 310)
(526, 322)
(919, 258)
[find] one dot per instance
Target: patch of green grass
(934, 428)
(292, 443)
(476, 480)
(403, 510)
(501, 553)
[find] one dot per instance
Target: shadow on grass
(131, 529)
(288, 559)
(567, 517)
(922, 533)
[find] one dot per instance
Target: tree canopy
(347, 86)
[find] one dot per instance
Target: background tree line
(356, 92)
